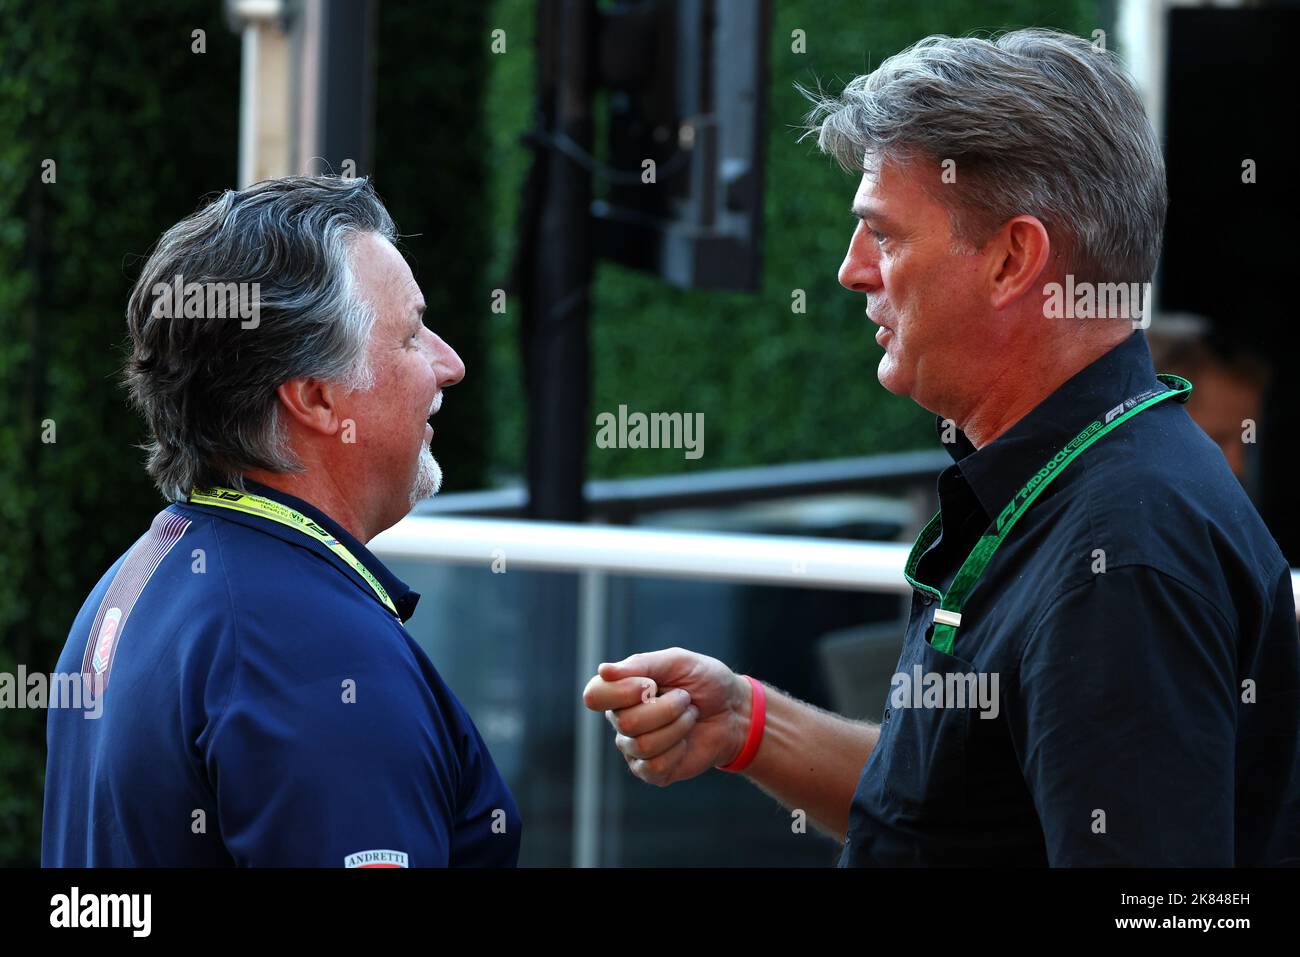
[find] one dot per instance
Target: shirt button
(927, 598)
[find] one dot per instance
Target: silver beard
(428, 477)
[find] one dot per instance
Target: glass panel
(507, 644)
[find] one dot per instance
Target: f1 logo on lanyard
(947, 617)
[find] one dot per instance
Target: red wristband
(757, 722)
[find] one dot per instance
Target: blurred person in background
(1230, 387)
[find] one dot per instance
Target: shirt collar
(997, 471)
(404, 600)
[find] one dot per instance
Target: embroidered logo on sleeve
(377, 859)
(105, 638)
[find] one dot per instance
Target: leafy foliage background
(142, 129)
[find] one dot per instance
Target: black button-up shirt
(1135, 639)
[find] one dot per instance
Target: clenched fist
(697, 721)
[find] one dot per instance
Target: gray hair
(1037, 121)
(206, 385)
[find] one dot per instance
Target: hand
(698, 721)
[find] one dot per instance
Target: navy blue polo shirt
(262, 706)
(1140, 624)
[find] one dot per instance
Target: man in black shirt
(1101, 664)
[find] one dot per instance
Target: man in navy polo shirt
(261, 702)
(1101, 664)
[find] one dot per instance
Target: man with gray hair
(1093, 558)
(267, 706)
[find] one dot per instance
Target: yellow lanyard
(266, 508)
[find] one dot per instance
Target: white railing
(596, 551)
(556, 546)
(758, 559)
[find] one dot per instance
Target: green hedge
(774, 386)
(430, 156)
(140, 128)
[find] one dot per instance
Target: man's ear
(1021, 249)
(311, 402)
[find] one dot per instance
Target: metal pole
(555, 356)
(556, 306)
(589, 743)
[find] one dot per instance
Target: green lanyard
(947, 617)
(266, 508)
